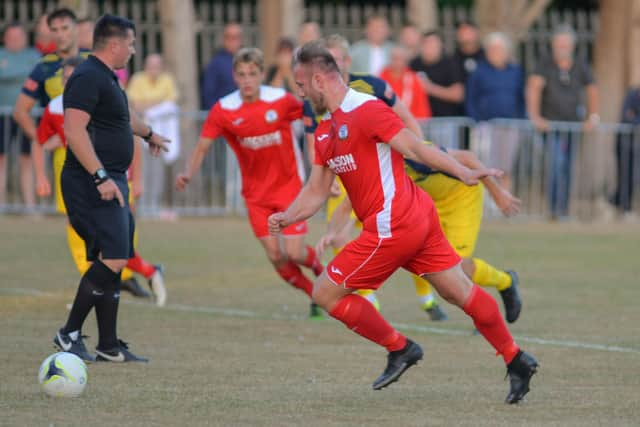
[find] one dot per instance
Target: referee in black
(99, 127)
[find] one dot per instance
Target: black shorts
(106, 228)
(10, 132)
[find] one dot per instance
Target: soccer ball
(63, 375)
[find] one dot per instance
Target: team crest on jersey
(271, 116)
(343, 132)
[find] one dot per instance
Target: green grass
(233, 347)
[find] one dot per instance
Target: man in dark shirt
(469, 50)
(555, 91)
(440, 77)
(99, 127)
(217, 80)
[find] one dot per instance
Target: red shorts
(366, 262)
(259, 216)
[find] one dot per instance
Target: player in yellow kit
(460, 212)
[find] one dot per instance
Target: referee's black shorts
(105, 227)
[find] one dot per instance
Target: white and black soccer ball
(63, 375)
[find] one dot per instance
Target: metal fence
(562, 173)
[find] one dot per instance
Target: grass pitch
(234, 348)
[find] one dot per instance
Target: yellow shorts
(59, 154)
(461, 218)
(334, 202)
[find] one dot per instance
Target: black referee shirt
(93, 88)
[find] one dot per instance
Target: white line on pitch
(402, 326)
(233, 312)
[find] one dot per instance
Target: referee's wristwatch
(148, 136)
(100, 177)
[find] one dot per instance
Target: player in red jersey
(256, 122)
(363, 142)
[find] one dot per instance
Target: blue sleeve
(34, 85)
(522, 107)
(382, 91)
(309, 118)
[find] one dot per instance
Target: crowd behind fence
(586, 178)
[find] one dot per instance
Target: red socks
(292, 274)
(484, 311)
(361, 317)
(311, 261)
(140, 266)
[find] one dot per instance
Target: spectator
(372, 54)
(440, 77)
(309, 31)
(555, 91)
(16, 62)
(496, 90)
(410, 38)
(625, 153)
(45, 43)
(468, 48)
(280, 74)
(85, 34)
(218, 79)
(405, 83)
(153, 94)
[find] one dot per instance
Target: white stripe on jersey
(387, 181)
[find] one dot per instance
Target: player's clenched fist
(182, 180)
(277, 222)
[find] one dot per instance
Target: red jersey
(52, 122)
(353, 142)
(261, 136)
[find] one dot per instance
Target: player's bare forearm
(22, 116)
(311, 197)
(37, 154)
(197, 156)
(407, 118)
(470, 160)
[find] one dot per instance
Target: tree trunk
(278, 18)
(423, 14)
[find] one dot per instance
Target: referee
(99, 127)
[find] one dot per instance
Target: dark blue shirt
(493, 93)
(93, 88)
(217, 80)
(631, 107)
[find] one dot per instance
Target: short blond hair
(250, 55)
(337, 41)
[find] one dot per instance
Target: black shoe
(398, 362)
(133, 287)
(315, 312)
(156, 284)
(118, 354)
(520, 371)
(65, 343)
(511, 298)
(436, 313)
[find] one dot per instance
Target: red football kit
(400, 223)
(52, 122)
(260, 134)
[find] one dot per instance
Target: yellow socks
(424, 293)
(488, 276)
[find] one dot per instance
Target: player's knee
(276, 256)
(115, 264)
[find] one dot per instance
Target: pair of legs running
(454, 286)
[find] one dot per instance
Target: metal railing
(565, 172)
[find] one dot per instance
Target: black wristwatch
(149, 135)
(100, 176)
